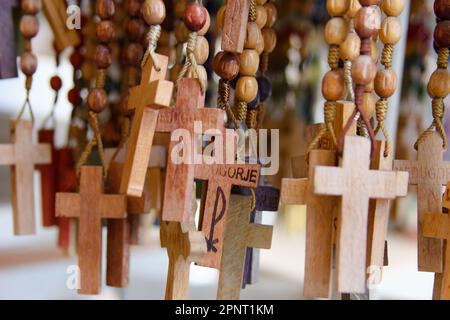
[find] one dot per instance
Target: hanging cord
(252, 12)
(153, 36)
(27, 102)
(190, 63)
(438, 107)
(124, 133)
(51, 115)
(223, 101)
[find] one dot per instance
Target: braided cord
(153, 36)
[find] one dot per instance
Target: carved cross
(235, 25)
(8, 55)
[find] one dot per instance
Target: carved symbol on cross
(8, 55)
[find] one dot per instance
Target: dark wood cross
(356, 184)
(429, 173)
(8, 54)
(235, 25)
(90, 206)
(22, 155)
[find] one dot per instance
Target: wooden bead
(333, 85)
(246, 89)
(28, 63)
(105, 9)
(154, 12)
(220, 17)
(260, 46)
(439, 84)
(353, 8)
(392, 7)
(367, 21)
(195, 17)
(203, 31)
(390, 31)
(133, 7)
(97, 100)
(31, 6)
(369, 105)
(366, 3)
(270, 39)
(249, 63)
(272, 14)
(254, 36)
(442, 9)
(385, 83)
(442, 34)
(103, 56)
(56, 83)
(74, 97)
(370, 87)
(135, 29)
(106, 31)
(261, 16)
(363, 70)
(336, 31)
(133, 54)
(201, 50)
(350, 48)
(181, 33)
(29, 26)
(337, 7)
(226, 65)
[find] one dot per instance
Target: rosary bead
(249, 63)
(28, 63)
(442, 9)
(103, 56)
(133, 54)
(31, 6)
(97, 100)
(439, 84)
(203, 31)
(106, 31)
(201, 50)
(392, 7)
(29, 26)
(195, 17)
(105, 9)
(337, 7)
(133, 8)
(367, 21)
(246, 89)
(353, 8)
(336, 31)
(369, 104)
(333, 85)
(154, 11)
(254, 36)
(261, 16)
(350, 48)
(385, 83)
(442, 34)
(363, 70)
(270, 39)
(56, 83)
(74, 97)
(135, 29)
(76, 59)
(390, 31)
(260, 45)
(264, 88)
(226, 65)
(272, 14)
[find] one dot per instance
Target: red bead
(74, 97)
(76, 59)
(56, 83)
(195, 17)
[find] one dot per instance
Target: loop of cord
(190, 63)
(153, 36)
(387, 55)
(51, 115)
(329, 115)
(27, 103)
(124, 133)
(381, 113)
(223, 101)
(252, 119)
(438, 109)
(240, 111)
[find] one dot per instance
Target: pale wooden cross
(239, 235)
(356, 184)
(189, 109)
(22, 155)
(235, 25)
(220, 179)
(437, 226)
(429, 173)
(90, 206)
(8, 55)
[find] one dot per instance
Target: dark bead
(103, 56)
(133, 7)
(76, 59)
(134, 54)
(31, 6)
(56, 83)
(254, 104)
(195, 17)
(106, 31)
(265, 88)
(442, 34)
(135, 29)
(74, 97)
(97, 100)
(105, 9)
(442, 9)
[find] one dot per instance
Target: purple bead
(264, 88)
(254, 104)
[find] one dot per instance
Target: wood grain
(235, 25)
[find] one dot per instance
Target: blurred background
(35, 268)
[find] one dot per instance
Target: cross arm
(294, 191)
(260, 236)
(329, 181)
(387, 184)
(42, 154)
(211, 118)
(68, 205)
(7, 154)
(436, 226)
(408, 166)
(113, 206)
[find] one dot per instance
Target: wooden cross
(429, 173)
(188, 110)
(184, 245)
(239, 235)
(235, 25)
(22, 155)
(90, 206)
(56, 13)
(356, 184)
(437, 226)
(8, 55)
(48, 179)
(220, 178)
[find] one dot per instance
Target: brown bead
(367, 21)
(28, 63)
(385, 83)
(154, 11)
(201, 50)
(133, 54)
(333, 85)
(133, 7)
(366, 3)
(439, 84)
(29, 26)
(390, 31)
(203, 31)
(31, 6)
(181, 33)
(272, 14)
(220, 17)
(442, 34)
(363, 70)
(254, 36)
(249, 63)
(106, 31)
(270, 39)
(336, 30)
(97, 100)
(246, 89)
(260, 46)
(226, 65)
(103, 56)
(370, 87)
(393, 7)
(195, 17)
(135, 29)
(56, 83)
(261, 16)
(353, 8)
(442, 9)
(351, 47)
(337, 7)
(105, 9)
(369, 104)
